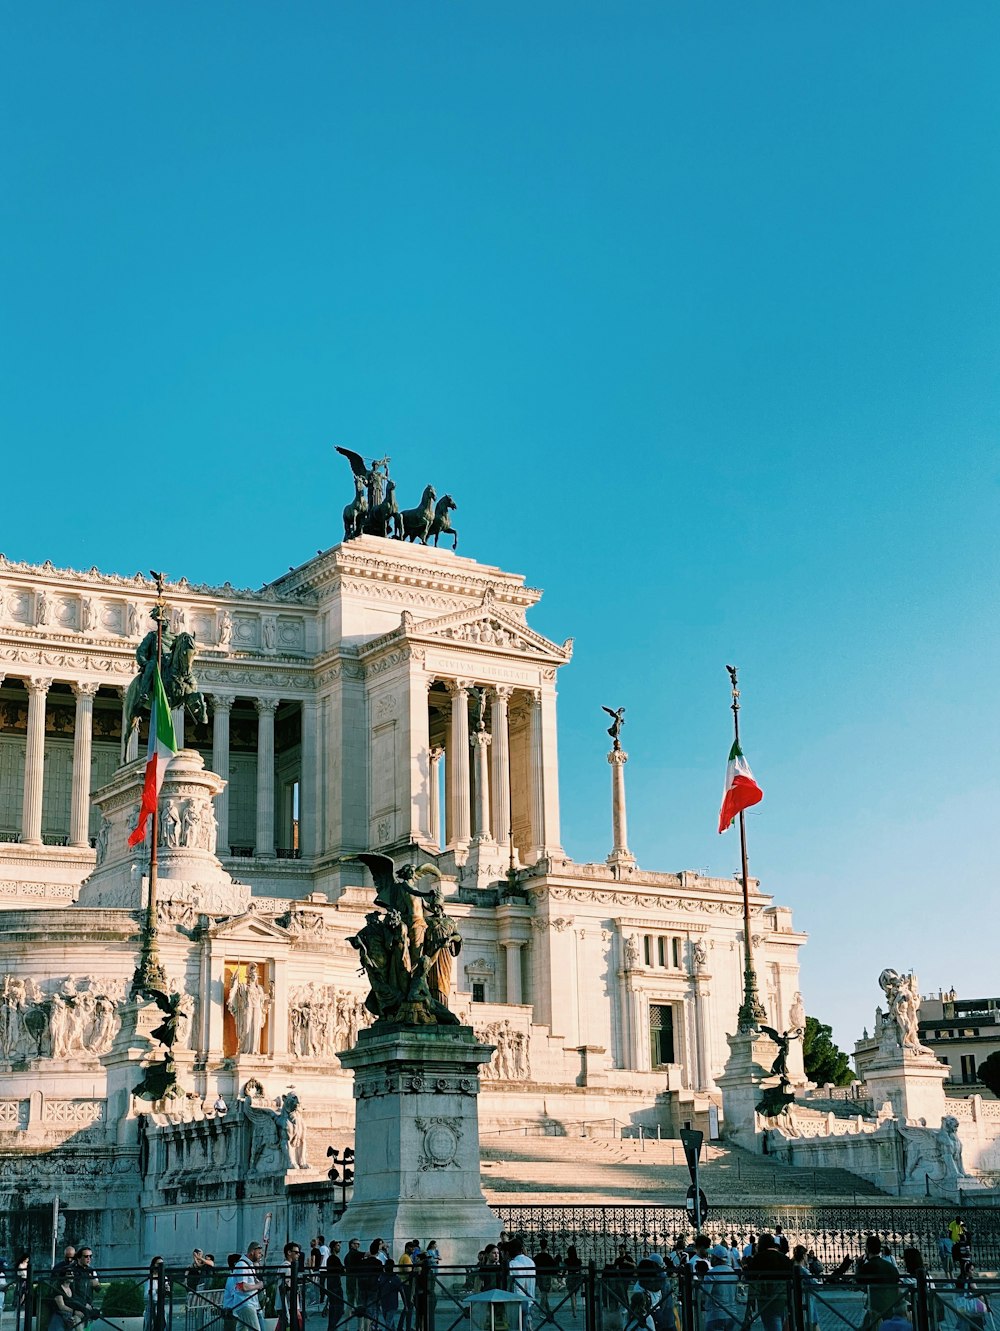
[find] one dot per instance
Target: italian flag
(741, 790)
(162, 747)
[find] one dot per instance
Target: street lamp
(341, 1172)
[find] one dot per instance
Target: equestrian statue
(177, 652)
(375, 512)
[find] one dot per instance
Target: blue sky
(693, 308)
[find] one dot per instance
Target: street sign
(691, 1140)
(689, 1204)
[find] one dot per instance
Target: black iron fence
(832, 1232)
(508, 1297)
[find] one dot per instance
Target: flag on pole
(741, 790)
(162, 747)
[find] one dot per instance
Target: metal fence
(509, 1298)
(832, 1232)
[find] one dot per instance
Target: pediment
(488, 625)
(250, 928)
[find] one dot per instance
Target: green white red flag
(162, 747)
(741, 790)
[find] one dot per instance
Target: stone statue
(632, 950)
(278, 1137)
(170, 834)
(179, 684)
(904, 1005)
(88, 614)
(248, 1004)
(950, 1148)
(269, 631)
(132, 620)
(225, 629)
(42, 607)
(13, 1005)
(700, 951)
(103, 833)
(617, 715)
(797, 1013)
(405, 967)
(191, 825)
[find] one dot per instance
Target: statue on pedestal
(904, 1006)
(407, 952)
(617, 715)
(278, 1136)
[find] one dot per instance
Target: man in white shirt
(247, 1309)
(522, 1277)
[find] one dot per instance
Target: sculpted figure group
(323, 1020)
(511, 1060)
(408, 949)
(78, 1019)
(374, 511)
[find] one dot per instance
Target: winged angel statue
(407, 949)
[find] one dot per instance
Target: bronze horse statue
(386, 515)
(179, 684)
(417, 521)
(355, 514)
(441, 525)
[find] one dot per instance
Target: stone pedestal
(746, 1075)
(417, 1140)
(912, 1083)
(621, 858)
(189, 872)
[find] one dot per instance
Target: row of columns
(79, 828)
(478, 796)
(34, 761)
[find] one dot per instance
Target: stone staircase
(595, 1171)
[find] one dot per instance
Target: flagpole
(149, 973)
(751, 1011)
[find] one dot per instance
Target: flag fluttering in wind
(162, 747)
(741, 790)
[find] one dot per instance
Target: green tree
(824, 1062)
(988, 1073)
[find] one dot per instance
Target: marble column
(703, 1078)
(480, 748)
(309, 781)
(500, 763)
(130, 750)
(266, 708)
(537, 775)
(34, 762)
(222, 706)
(513, 947)
(83, 734)
(436, 754)
(458, 766)
(621, 856)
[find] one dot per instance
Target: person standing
(769, 1275)
(574, 1275)
(334, 1287)
(290, 1291)
(246, 1308)
(882, 1280)
(545, 1269)
(156, 1309)
(86, 1282)
(522, 1276)
(353, 1263)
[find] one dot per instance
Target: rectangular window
(969, 1069)
(662, 945)
(478, 991)
(648, 949)
(677, 953)
(661, 1034)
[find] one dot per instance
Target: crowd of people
(730, 1284)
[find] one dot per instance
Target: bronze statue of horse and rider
(179, 684)
(374, 511)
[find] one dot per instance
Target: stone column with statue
(416, 1076)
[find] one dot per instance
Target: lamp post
(341, 1172)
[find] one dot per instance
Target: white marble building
(381, 696)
